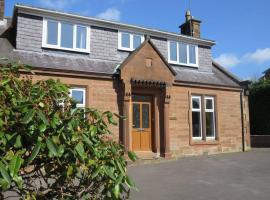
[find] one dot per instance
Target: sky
(240, 27)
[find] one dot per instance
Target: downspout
(242, 120)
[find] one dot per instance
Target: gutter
(206, 85)
(110, 24)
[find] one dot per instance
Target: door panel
(136, 115)
(136, 122)
(141, 130)
(136, 140)
(145, 115)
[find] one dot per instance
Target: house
(176, 99)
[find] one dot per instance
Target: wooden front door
(141, 123)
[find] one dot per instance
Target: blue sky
(240, 27)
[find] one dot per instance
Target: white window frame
(211, 111)
(131, 48)
(58, 46)
(79, 105)
(177, 53)
(197, 110)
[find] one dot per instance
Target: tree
(52, 150)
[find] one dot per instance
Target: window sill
(204, 142)
(66, 49)
(125, 49)
(181, 64)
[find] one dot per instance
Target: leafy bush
(51, 151)
(259, 101)
(259, 86)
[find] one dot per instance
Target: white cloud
(110, 14)
(57, 4)
(228, 60)
(259, 56)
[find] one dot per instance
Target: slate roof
(56, 62)
(219, 76)
(216, 77)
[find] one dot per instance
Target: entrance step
(146, 155)
(149, 158)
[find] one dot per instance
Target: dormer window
(129, 41)
(66, 36)
(183, 54)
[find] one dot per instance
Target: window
(183, 54)
(137, 40)
(125, 41)
(129, 41)
(192, 54)
(196, 117)
(209, 117)
(78, 94)
(66, 36)
(173, 51)
(81, 37)
(52, 34)
(183, 57)
(203, 115)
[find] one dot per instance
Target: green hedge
(259, 101)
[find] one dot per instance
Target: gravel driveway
(235, 176)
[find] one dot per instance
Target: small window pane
(196, 124)
(52, 32)
(173, 51)
(145, 116)
(192, 54)
(210, 124)
(66, 35)
(209, 104)
(81, 37)
(182, 53)
(196, 103)
(125, 40)
(137, 40)
(136, 116)
(78, 96)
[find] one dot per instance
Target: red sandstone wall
(102, 94)
(228, 122)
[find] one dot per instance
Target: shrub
(51, 151)
(259, 101)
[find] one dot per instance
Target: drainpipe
(242, 120)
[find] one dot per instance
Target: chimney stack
(2, 9)
(192, 27)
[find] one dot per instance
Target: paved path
(236, 176)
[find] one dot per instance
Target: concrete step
(156, 160)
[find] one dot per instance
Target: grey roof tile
(72, 63)
(216, 77)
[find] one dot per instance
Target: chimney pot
(188, 15)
